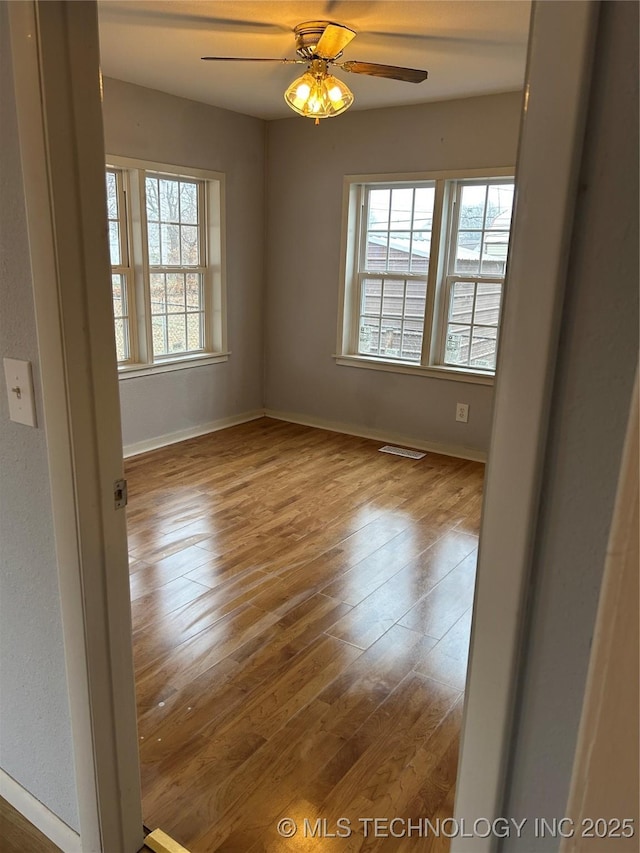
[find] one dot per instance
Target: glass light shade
(318, 96)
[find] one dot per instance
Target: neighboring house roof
(496, 245)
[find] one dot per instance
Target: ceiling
(469, 47)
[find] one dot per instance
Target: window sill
(132, 371)
(454, 374)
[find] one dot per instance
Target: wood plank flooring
(17, 835)
(301, 607)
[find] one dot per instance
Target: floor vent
(402, 451)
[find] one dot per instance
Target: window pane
(494, 255)
(400, 332)
(177, 333)
(112, 196)
(488, 303)
(472, 206)
(189, 239)
(175, 293)
(420, 251)
(379, 209)
(390, 338)
(169, 203)
(484, 345)
(119, 296)
(188, 203)
(151, 194)
(399, 243)
(376, 251)
(372, 296)
(401, 208)
(461, 302)
(159, 331)
(114, 243)
(170, 245)
(194, 292)
(158, 296)
(398, 236)
(153, 232)
(415, 302)
(488, 207)
(412, 340)
(499, 206)
(121, 322)
(369, 340)
(468, 252)
(393, 298)
(457, 345)
(194, 331)
(423, 208)
(122, 342)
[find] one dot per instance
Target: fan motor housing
(308, 36)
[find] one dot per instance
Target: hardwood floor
(301, 610)
(17, 835)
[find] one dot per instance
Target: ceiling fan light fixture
(317, 94)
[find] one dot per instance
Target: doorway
(463, 758)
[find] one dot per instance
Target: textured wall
(305, 170)
(35, 730)
(151, 125)
(597, 360)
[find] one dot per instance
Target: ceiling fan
(318, 94)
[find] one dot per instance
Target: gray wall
(597, 360)
(35, 729)
(151, 125)
(305, 169)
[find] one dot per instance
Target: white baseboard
(193, 432)
(39, 815)
(379, 435)
(305, 420)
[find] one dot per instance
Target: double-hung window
(166, 241)
(476, 263)
(424, 263)
(392, 270)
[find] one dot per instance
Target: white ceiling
(469, 47)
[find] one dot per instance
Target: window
(165, 236)
(120, 269)
(424, 264)
(392, 274)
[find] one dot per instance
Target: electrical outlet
(462, 412)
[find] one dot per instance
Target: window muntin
(176, 263)
(120, 269)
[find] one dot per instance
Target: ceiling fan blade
(252, 59)
(391, 72)
(333, 41)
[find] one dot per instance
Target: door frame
(56, 67)
(55, 55)
(557, 85)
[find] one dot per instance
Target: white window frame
(435, 321)
(212, 268)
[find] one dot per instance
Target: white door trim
(605, 770)
(557, 86)
(56, 69)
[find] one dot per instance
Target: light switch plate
(19, 379)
